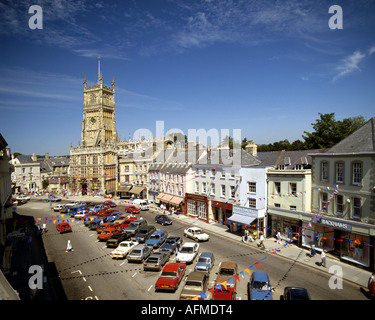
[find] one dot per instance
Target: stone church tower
(98, 124)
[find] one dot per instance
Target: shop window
(293, 188)
(339, 204)
(357, 173)
(277, 188)
(252, 187)
(356, 208)
(252, 203)
(339, 172)
(324, 171)
(324, 201)
(232, 192)
(223, 190)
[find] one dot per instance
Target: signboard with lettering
(335, 224)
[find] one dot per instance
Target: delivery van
(141, 204)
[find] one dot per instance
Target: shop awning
(124, 188)
(166, 198)
(160, 196)
(137, 190)
(239, 218)
(176, 200)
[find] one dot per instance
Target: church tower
(98, 124)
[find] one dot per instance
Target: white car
(58, 207)
(123, 249)
(187, 253)
(23, 198)
(196, 234)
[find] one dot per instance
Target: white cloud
(349, 64)
(371, 50)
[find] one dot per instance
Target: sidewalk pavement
(292, 252)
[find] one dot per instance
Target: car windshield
(133, 224)
(152, 260)
(186, 250)
(260, 285)
(124, 245)
(170, 241)
(168, 274)
(197, 231)
(155, 236)
(204, 260)
(136, 253)
(226, 272)
(142, 231)
(196, 284)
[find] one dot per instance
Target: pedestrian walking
(313, 250)
(261, 241)
(323, 258)
(69, 246)
(371, 284)
(278, 236)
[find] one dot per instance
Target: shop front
(197, 206)
(346, 239)
(245, 218)
(221, 211)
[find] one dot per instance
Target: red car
(107, 233)
(170, 277)
(103, 226)
(224, 294)
(109, 203)
(132, 209)
(63, 227)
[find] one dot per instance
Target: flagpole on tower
(98, 68)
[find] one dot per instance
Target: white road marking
(90, 288)
(84, 279)
(134, 275)
(150, 288)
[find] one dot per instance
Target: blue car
(157, 239)
(259, 287)
(163, 219)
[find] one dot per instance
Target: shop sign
(222, 205)
(246, 211)
(336, 224)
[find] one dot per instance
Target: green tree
(329, 131)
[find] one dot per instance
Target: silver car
(139, 253)
(156, 261)
(205, 262)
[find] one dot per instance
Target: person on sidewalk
(69, 246)
(278, 236)
(323, 258)
(261, 239)
(371, 284)
(313, 250)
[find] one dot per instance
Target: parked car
(116, 239)
(139, 253)
(170, 277)
(132, 209)
(23, 198)
(163, 219)
(259, 287)
(196, 234)
(144, 233)
(156, 261)
(107, 233)
(205, 262)
(135, 225)
(196, 283)
(123, 249)
(63, 227)
(103, 226)
(227, 269)
(53, 199)
(172, 244)
(58, 207)
(109, 203)
(142, 204)
(228, 293)
(295, 293)
(187, 253)
(157, 239)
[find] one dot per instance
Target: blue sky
(265, 67)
